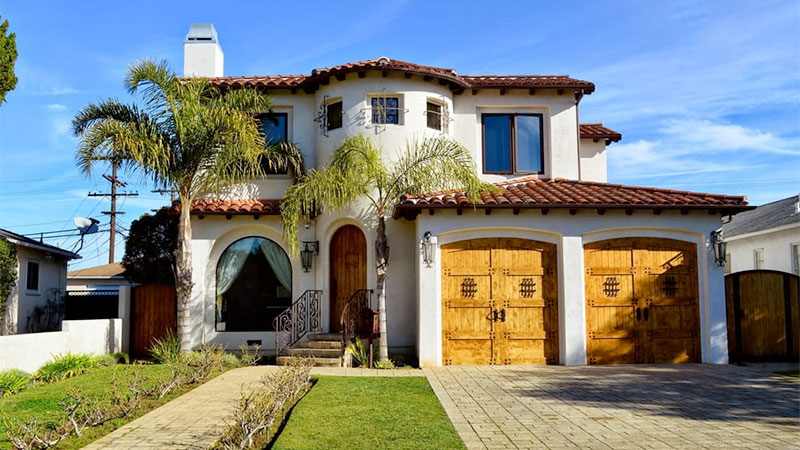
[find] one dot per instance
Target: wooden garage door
(642, 301)
(499, 302)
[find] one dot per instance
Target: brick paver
(615, 407)
(193, 420)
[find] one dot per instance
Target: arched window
(254, 284)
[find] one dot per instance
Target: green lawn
(789, 373)
(369, 413)
(43, 402)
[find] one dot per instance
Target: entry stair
(325, 348)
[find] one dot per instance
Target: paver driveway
(665, 406)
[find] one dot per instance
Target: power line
(40, 179)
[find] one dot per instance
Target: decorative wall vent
(527, 287)
(611, 286)
(469, 287)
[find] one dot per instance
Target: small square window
(434, 113)
(386, 110)
(32, 277)
(333, 115)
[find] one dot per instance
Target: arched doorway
(348, 269)
(254, 284)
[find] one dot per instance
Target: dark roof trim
(19, 239)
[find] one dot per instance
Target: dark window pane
(32, 281)
(496, 144)
(385, 110)
(274, 127)
(254, 284)
(529, 144)
(334, 115)
(434, 116)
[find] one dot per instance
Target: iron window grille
(386, 110)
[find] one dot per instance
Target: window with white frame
(437, 116)
(796, 259)
(386, 109)
(32, 276)
(758, 256)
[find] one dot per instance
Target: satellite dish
(86, 225)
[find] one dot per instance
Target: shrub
(64, 366)
(122, 357)
(13, 381)
(360, 352)
(384, 364)
(248, 358)
(166, 350)
(262, 409)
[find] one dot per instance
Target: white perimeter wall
(777, 247)
(570, 234)
(30, 351)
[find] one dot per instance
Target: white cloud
(708, 135)
(56, 107)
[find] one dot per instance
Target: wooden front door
(499, 302)
(348, 269)
(642, 301)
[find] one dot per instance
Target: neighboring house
(767, 237)
(41, 276)
(107, 277)
(555, 267)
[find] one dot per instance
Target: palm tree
(358, 170)
(187, 136)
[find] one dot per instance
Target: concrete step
(319, 362)
(315, 352)
(319, 344)
(325, 337)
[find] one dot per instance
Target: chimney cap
(202, 33)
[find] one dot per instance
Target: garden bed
(368, 413)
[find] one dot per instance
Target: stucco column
(715, 343)
(429, 314)
(124, 314)
(571, 302)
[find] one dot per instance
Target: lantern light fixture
(310, 249)
(719, 246)
(428, 248)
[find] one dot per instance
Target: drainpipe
(578, 96)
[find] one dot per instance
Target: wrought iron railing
(304, 316)
(353, 316)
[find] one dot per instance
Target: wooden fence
(762, 308)
(153, 315)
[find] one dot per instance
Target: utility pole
(113, 213)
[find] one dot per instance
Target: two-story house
(556, 267)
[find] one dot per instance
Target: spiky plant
(361, 170)
(188, 136)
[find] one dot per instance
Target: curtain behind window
(278, 261)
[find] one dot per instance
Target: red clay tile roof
(448, 76)
(532, 192)
(598, 131)
(235, 207)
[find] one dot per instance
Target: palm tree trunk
(381, 261)
(183, 274)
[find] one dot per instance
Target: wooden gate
(153, 315)
(642, 301)
(762, 316)
(499, 302)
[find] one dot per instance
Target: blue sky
(705, 93)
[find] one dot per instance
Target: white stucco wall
(777, 244)
(570, 234)
(52, 281)
(593, 160)
(30, 351)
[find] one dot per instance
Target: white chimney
(202, 55)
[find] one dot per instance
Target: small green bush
(384, 364)
(122, 357)
(65, 366)
(13, 381)
(167, 350)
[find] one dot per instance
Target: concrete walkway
(620, 407)
(193, 420)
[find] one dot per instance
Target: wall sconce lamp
(428, 248)
(719, 246)
(310, 249)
